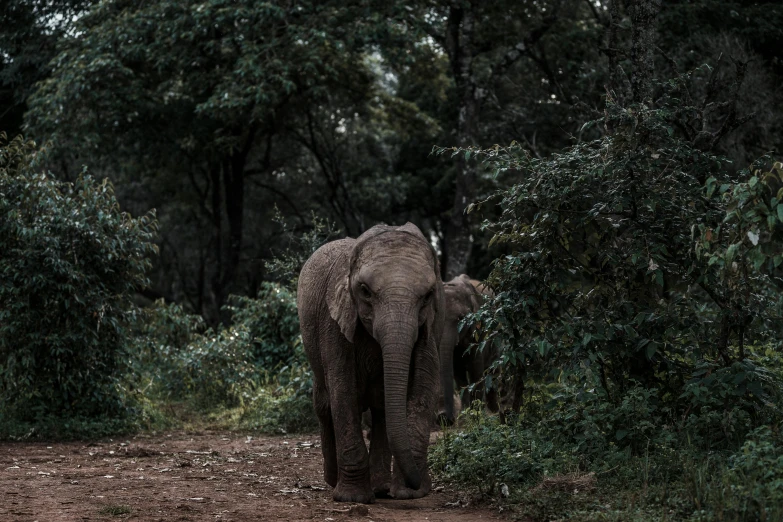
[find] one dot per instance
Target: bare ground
(194, 476)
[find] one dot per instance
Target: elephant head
(462, 296)
(391, 289)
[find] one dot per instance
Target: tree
(203, 93)
(642, 256)
(29, 31)
(482, 40)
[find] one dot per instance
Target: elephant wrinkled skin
(371, 312)
(463, 296)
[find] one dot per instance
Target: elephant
(371, 311)
(463, 296)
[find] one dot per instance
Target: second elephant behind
(463, 295)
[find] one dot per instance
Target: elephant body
(457, 362)
(371, 311)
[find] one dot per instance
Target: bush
(281, 404)
(483, 453)
(748, 485)
(253, 370)
(273, 324)
(179, 359)
(638, 258)
(70, 261)
(161, 333)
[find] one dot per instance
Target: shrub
(273, 324)
(161, 333)
(748, 485)
(483, 453)
(281, 403)
(179, 359)
(70, 261)
(254, 370)
(638, 258)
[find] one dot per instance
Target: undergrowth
(561, 459)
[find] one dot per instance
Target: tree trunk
(459, 46)
(215, 301)
(228, 195)
(643, 23)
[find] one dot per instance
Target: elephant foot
(445, 420)
(404, 493)
(381, 489)
(360, 495)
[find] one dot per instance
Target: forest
(611, 171)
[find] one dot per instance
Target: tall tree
(29, 31)
(200, 89)
(482, 40)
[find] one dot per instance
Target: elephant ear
(412, 229)
(338, 297)
(476, 299)
(437, 318)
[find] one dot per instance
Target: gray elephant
(371, 312)
(463, 296)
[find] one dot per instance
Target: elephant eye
(365, 291)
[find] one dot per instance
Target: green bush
(253, 370)
(273, 323)
(745, 486)
(162, 332)
(281, 403)
(179, 359)
(70, 261)
(639, 259)
(484, 453)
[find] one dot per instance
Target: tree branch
(524, 45)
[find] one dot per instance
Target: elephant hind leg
(328, 445)
(380, 455)
(492, 398)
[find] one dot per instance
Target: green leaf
(731, 252)
(621, 434)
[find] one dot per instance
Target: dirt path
(201, 476)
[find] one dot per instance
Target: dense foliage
(70, 262)
(632, 228)
(252, 372)
(638, 311)
(639, 258)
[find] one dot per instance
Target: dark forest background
(222, 115)
(610, 168)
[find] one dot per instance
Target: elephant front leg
(353, 471)
(422, 404)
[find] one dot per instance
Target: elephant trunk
(447, 346)
(397, 337)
